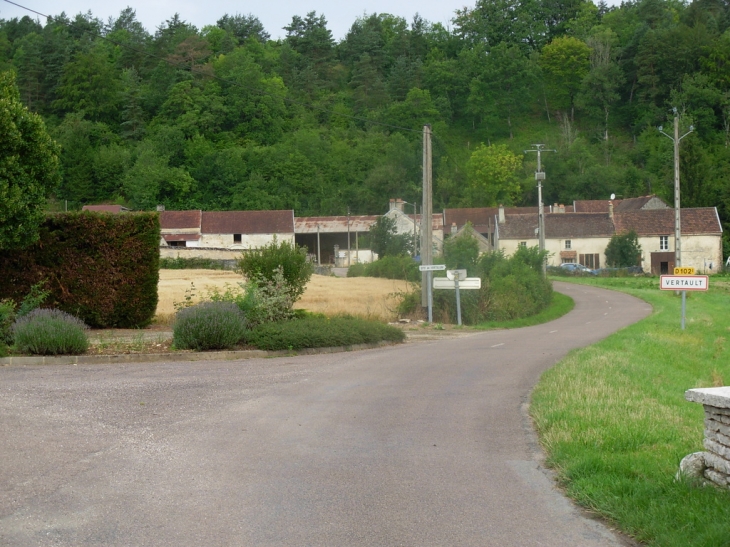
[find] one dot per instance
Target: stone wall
(716, 458)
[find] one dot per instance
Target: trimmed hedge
(102, 268)
(317, 332)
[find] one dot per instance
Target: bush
(316, 332)
(461, 251)
(210, 325)
(50, 332)
(192, 263)
(7, 318)
(263, 264)
(394, 267)
(101, 267)
(356, 270)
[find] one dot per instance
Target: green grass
(560, 305)
(615, 424)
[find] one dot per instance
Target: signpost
(456, 279)
(684, 280)
(431, 268)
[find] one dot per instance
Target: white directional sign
(454, 274)
(468, 283)
(432, 267)
(684, 283)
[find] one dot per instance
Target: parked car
(577, 269)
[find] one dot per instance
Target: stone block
(717, 448)
(714, 425)
(720, 417)
(717, 463)
(712, 396)
(724, 440)
(720, 479)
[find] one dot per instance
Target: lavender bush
(50, 332)
(210, 325)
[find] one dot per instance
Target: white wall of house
(588, 245)
(698, 251)
(191, 252)
(248, 241)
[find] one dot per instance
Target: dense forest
(224, 117)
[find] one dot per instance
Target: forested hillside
(223, 117)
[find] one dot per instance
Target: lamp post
(539, 177)
(677, 221)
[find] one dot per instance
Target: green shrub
(262, 300)
(210, 325)
(462, 251)
(7, 318)
(101, 267)
(192, 263)
(291, 259)
(50, 332)
(316, 332)
(35, 297)
(394, 267)
(356, 270)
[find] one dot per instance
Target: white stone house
(411, 224)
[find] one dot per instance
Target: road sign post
(429, 268)
(684, 280)
(456, 279)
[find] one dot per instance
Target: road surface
(424, 444)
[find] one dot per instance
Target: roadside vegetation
(615, 425)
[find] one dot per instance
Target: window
(523, 244)
(663, 243)
(568, 244)
(592, 261)
(176, 243)
(236, 238)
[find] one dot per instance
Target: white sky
(274, 14)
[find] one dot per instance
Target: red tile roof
(630, 204)
(180, 220)
(557, 226)
(703, 220)
(248, 222)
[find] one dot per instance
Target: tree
(385, 240)
(565, 62)
(28, 167)
(623, 250)
(491, 173)
(461, 251)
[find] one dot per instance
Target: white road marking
(552, 331)
(497, 345)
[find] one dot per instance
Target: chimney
(560, 208)
(453, 228)
(400, 204)
(610, 210)
(501, 213)
(160, 208)
(391, 205)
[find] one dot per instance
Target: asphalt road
(424, 444)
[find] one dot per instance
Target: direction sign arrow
(684, 283)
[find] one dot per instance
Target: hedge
(102, 268)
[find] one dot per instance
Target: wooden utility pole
(426, 214)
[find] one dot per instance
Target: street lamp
(539, 177)
(677, 224)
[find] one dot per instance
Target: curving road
(422, 444)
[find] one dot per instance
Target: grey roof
(557, 226)
(697, 221)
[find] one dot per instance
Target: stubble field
(361, 296)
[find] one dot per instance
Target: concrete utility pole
(677, 220)
(319, 261)
(348, 237)
(426, 214)
(539, 177)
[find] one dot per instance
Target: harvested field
(366, 297)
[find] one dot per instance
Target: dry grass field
(361, 296)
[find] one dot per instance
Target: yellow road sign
(684, 271)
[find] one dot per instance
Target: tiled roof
(248, 222)
(557, 226)
(697, 221)
(481, 217)
(180, 220)
(621, 205)
(337, 224)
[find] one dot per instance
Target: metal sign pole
(458, 300)
(430, 297)
(684, 306)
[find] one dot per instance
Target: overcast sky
(274, 14)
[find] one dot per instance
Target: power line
(229, 82)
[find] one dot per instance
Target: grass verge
(560, 305)
(615, 424)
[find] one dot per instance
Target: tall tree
(29, 167)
